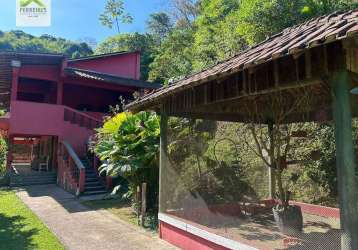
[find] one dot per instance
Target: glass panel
(217, 178)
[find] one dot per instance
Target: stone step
(91, 179)
(91, 174)
(95, 188)
(87, 193)
(39, 176)
(91, 184)
(20, 179)
(31, 184)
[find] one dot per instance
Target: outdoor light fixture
(15, 63)
(354, 91)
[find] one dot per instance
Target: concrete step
(24, 184)
(93, 174)
(95, 188)
(91, 179)
(94, 183)
(33, 176)
(87, 193)
(20, 179)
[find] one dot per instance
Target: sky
(78, 19)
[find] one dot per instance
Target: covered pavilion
(319, 57)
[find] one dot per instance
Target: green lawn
(20, 228)
(124, 211)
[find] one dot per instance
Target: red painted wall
(42, 72)
(124, 65)
(29, 118)
(185, 240)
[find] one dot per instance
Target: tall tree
(185, 12)
(216, 35)
(114, 14)
(174, 57)
(159, 25)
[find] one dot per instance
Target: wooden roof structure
(302, 55)
(98, 76)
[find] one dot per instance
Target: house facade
(54, 104)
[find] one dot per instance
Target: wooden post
(163, 158)
(143, 203)
(345, 159)
(138, 204)
(271, 171)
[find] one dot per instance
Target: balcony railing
(81, 119)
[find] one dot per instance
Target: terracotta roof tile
(315, 32)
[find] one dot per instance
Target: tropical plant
(128, 146)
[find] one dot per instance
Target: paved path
(79, 227)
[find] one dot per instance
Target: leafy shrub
(128, 146)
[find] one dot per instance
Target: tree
(91, 41)
(159, 25)
(216, 35)
(113, 14)
(185, 12)
(131, 42)
(173, 59)
(270, 134)
(22, 42)
(258, 19)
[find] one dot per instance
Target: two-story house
(54, 104)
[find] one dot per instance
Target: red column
(82, 181)
(109, 182)
(59, 92)
(15, 83)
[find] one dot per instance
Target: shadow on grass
(13, 236)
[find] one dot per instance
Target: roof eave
(114, 79)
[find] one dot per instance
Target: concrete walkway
(79, 227)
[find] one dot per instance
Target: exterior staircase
(18, 180)
(93, 184)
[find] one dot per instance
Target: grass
(124, 211)
(20, 228)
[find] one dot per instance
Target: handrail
(73, 155)
(77, 172)
(80, 118)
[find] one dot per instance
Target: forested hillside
(22, 42)
(195, 34)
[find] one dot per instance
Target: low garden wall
(206, 215)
